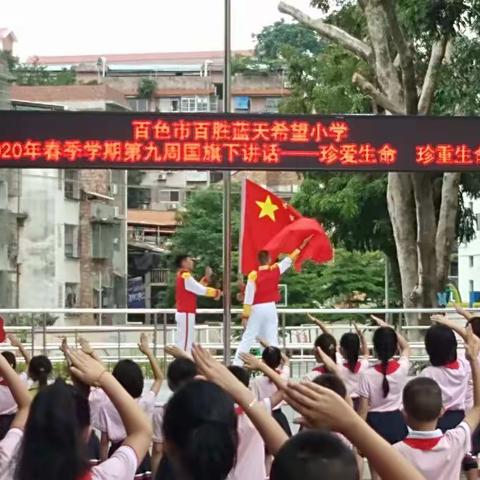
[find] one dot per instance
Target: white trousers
(263, 322)
(185, 330)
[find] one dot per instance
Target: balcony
(159, 277)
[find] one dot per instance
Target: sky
(65, 27)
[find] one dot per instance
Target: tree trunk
(401, 210)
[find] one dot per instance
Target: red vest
(266, 285)
(185, 301)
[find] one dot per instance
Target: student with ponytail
(39, 370)
(381, 385)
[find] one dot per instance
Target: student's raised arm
(443, 320)
(144, 347)
(253, 363)
(176, 352)
(91, 372)
(464, 313)
(320, 324)
(88, 349)
(15, 342)
(19, 393)
(264, 343)
(472, 349)
(363, 342)
(271, 432)
(320, 408)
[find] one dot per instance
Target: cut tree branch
(436, 57)
(379, 98)
(330, 32)
(405, 58)
(446, 225)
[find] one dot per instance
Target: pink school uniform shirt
(263, 387)
(122, 465)
(8, 405)
(370, 385)
(158, 414)
(110, 422)
(352, 379)
(453, 381)
(435, 455)
(251, 449)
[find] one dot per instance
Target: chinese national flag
(264, 215)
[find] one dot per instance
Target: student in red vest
(186, 291)
(259, 305)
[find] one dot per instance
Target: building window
(471, 261)
(174, 196)
(72, 184)
(241, 104)
(272, 104)
(102, 240)
(470, 285)
(139, 104)
(71, 241)
(71, 295)
(196, 104)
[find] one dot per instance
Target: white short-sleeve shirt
(263, 387)
(251, 449)
(371, 380)
(435, 455)
(8, 406)
(453, 380)
(352, 379)
(9, 449)
(110, 422)
(158, 414)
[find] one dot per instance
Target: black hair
(272, 356)
(11, 359)
(332, 382)
(39, 369)
(441, 345)
(179, 259)
(351, 348)
(53, 447)
(241, 374)
(328, 344)
(314, 454)
(200, 424)
(475, 324)
(422, 399)
(263, 257)
(180, 371)
(130, 376)
(385, 343)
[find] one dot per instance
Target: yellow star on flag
(267, 208)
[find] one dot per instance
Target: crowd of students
(222, 423)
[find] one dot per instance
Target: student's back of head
(241, 374)
(350, 349)
(54, 441)
(422, 399)
(11, 359)
(328, 344)
(332, 382)
(475, 324)
(39, 369)
(314, 455)
(441, 345)
(200, 431)
(272, 356)
(385, 344)
(180, 371)
(130, 376)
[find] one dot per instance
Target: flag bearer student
(437, 455)
(261, 295)
(186, 291)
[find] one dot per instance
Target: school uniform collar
(423, 440)
(357, 366)
(320, 368)
(392, 366)
(455, 365)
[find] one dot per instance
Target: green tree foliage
(147, 88)
(26, 74)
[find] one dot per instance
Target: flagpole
(227, 187)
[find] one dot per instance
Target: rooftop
(152, 217)
(68, 93)
(5, 32)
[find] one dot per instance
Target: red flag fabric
(3, 335)
(263, 216)
(318, 249)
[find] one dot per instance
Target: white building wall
(469, 259)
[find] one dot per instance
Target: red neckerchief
(239, 410)
(392, 367)
(356, 369)
(320, 369)
(3, 382)
(455, 365)
(422, 443)
(86, 476)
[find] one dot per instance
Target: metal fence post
(284, 331)
(118, 344)
(44, 333)
(33, 338)
(164, 342)
(155, 334)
